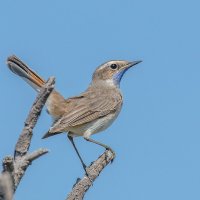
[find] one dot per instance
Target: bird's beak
(131, 64)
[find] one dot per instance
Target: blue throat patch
(118, 76)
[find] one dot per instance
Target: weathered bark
(14, 167)
(82, 185)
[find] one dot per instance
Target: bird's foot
(113, 153)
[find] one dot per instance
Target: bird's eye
(113, 66)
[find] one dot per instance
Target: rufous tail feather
(22, 70)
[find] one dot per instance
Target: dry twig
(82, 185)
(15, 167)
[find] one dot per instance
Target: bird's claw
(113, 153)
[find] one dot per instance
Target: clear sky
(157, 135)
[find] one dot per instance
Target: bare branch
(8, 164)
(24, 140)
(14, 168)
(6, 192)
(94, 170)
(36, 154)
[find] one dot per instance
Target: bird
(86, 114)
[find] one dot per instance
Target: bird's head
(112, 72)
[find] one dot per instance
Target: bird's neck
(109, 84)
(104, 86)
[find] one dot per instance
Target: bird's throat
(118, 76)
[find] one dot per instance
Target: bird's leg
(83, 164)
(101, 144)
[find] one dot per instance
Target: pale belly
(94, 126)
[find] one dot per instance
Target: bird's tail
(22, 70)
(49, 134)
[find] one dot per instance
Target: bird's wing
(86, 109)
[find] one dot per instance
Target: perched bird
(88, 113)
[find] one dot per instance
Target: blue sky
(157, 135)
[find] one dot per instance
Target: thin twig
(6, 192)
(14, 167)
(24, 140)
(94, 170)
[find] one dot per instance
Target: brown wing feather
(86, 109)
